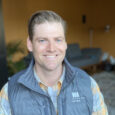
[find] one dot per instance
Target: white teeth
(50, 56)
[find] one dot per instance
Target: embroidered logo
(75, 94)
(75, 97)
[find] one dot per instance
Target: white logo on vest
(75, 97)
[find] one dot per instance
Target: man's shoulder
(13, 82)
(77, 72)
(16, 76)
(81, 72)
(3, 91)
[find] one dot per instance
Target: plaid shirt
(99, 107)
(53, 91)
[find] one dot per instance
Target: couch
(83, 57)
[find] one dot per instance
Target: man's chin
(52, 67)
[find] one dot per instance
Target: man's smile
(52, 57)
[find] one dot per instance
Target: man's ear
(29, 44)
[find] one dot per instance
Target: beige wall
(17, 12)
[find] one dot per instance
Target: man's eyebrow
(45, 38)
(59, 37)
(41, 38)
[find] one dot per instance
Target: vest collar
(69, 74)
(27, 78)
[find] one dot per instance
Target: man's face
(48, 46)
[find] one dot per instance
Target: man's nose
(51, 46)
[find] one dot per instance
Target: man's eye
(58, 40)
(41, 41)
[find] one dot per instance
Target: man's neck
(49, 78)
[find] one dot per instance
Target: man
(50, 85)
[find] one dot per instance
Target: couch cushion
(83, 61)
(73, 51)
(92, 52)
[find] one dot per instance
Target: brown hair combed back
(42, 17)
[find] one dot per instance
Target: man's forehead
(48, 24)
(49, 28)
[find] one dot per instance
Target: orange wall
(98, 13)
(17, 12)
(103, 13)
